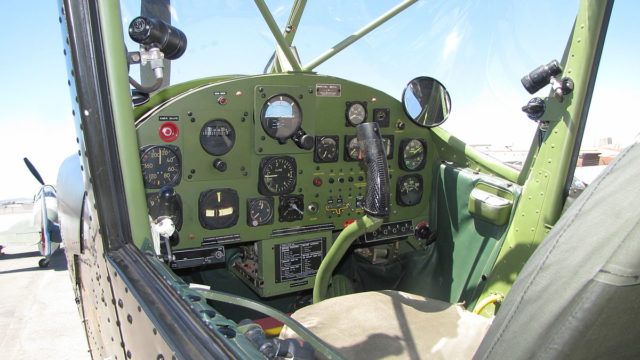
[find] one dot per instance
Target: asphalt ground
(38, 314)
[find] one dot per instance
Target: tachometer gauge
(217, 137)
(326, 149)
(160, 166)
(409, 190)
(281, 117)
(218, 208)
(356, 112)
(259, 211)
(277, 175)
(412, 154)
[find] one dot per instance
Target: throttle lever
(377, 196)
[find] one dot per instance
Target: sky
(460, 43)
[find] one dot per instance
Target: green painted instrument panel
(328, 187)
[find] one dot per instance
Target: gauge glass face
(259, 211)
(281, 117)
(277, 175)
(356, 113)
(218, 208)
(326, 149)
(353, 149)
(387, 144)
(413, 155)
(217, 137)
(160, 166)
(409, 190)
(291, 208)
(154, 209)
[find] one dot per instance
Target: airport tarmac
(38, 314)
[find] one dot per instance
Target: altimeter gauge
(277, 175)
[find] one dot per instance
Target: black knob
(400, 125)
(535, 108)
(303, 140)
(220, 165)
(423, 232)
(167, 201)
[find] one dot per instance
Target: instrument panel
(268, 161)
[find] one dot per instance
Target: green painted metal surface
(549, 163)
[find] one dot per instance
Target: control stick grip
(376, 201)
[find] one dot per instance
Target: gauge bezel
(334, 156)
(348, 106)
(175, 180)
(296, 127)
(264, 189)
(231, 196)
(251, 202)
(227, 148)
(177, 218)
(386, 116)
(283, 207)
(401, 157)
(399, 199)
(347, 141)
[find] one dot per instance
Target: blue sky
(455, 42)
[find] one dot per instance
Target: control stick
(376, 205)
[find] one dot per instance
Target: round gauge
(412, 154)
(160, 166)
(352, 149)
(409, 190)
(281, 117)
(218, 208)
(259, 211)
(277, 175)
(291, 208)
(356, 112)
(155, 208)
(326, 149)
(217, 137)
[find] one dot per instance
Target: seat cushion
(393, 325)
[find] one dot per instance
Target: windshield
(478, 49)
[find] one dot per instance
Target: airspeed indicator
(160, 166)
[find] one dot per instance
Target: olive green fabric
(393, 325)
(578, 296)
(466, 247)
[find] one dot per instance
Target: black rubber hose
(149, 89)
(377, 200)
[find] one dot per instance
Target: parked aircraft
(215, 211)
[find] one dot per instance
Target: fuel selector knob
(423, 231)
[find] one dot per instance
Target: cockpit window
(478, 49)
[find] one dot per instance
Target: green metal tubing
(292, 25)
(542, 198)
(357, 35)
(488, 163)
(305, 334)
(340, 246)
(282, 43)
(123, 116)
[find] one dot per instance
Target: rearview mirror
(426, 101)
